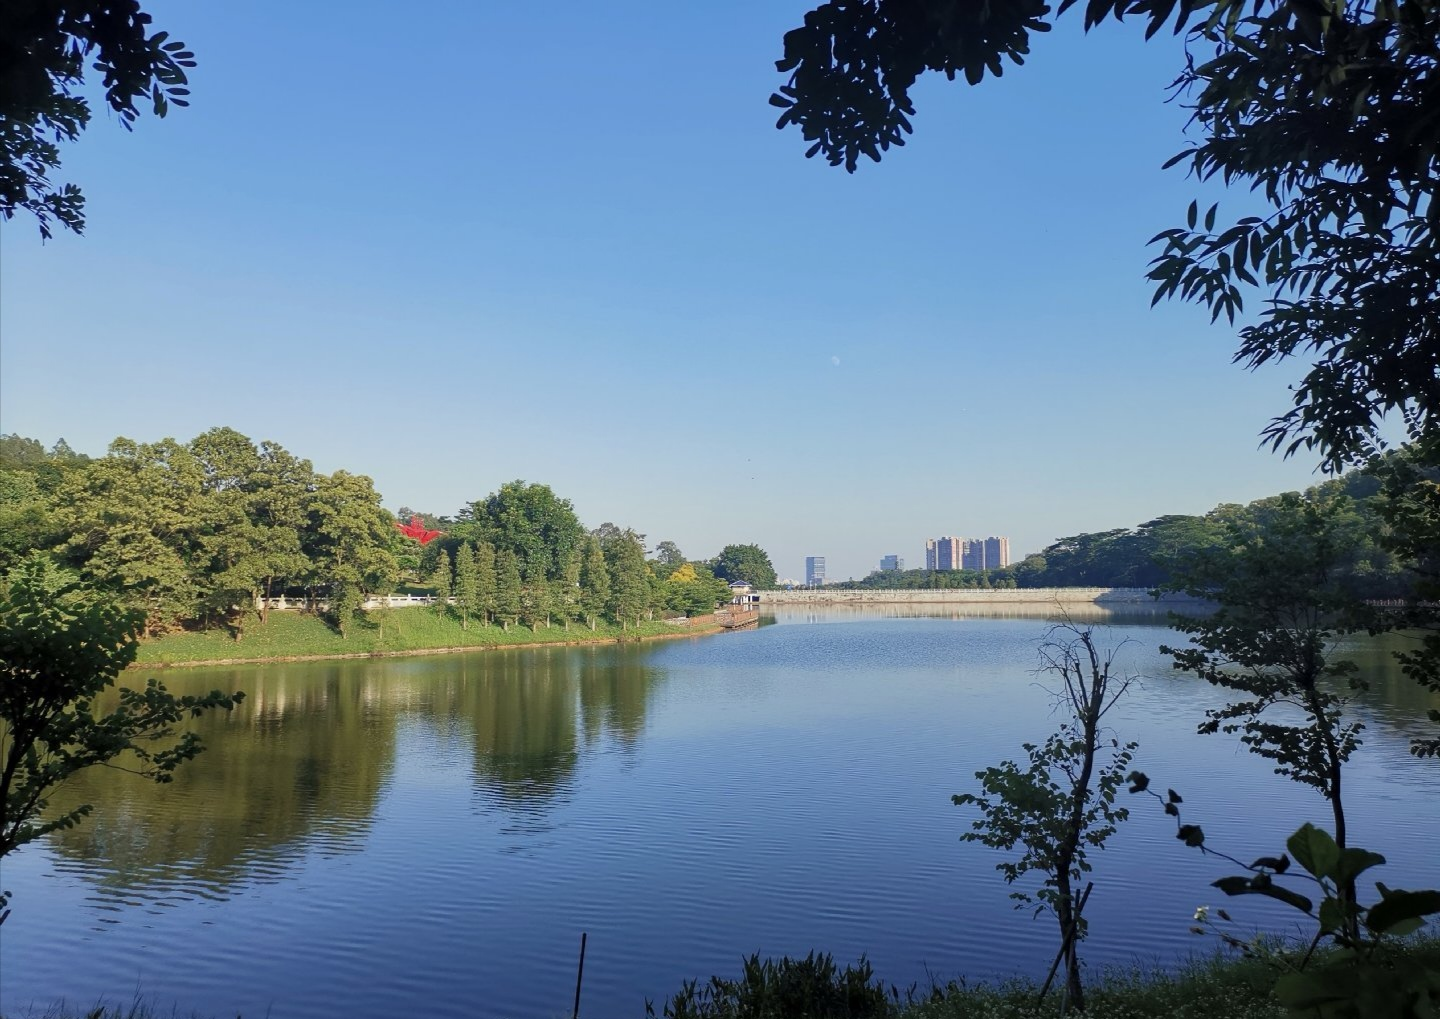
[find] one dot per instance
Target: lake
(432, 835)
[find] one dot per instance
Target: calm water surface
(431, 835)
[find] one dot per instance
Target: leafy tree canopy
(60, 646)
(530, 521)
(748, 563)
(46, 47)
(1328, 111)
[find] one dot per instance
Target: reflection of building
(943, 553)
(814, 570)
(891, 562)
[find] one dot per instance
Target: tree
(346, 598)
(746, 563)
(1326, 111)
(531, 521)
(1410, 507)
(467, 584)
(350, 536)
(1282, 606)
(668, 559)
(1063, 802)
(535, 596)
(134, 519)
(568, 593)
(508, 591)
(629, 578)
(46, 46)
(692, 589)
(445, 570)
(61, 646)
(485, 582)
(594, 582)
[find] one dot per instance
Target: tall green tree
(509, 591)
(134, 519)
(46, 48)
(61, 646)
(1409, 503)
(1282, 608)
(594, 582)
(629, 579)
(747, 563)
(350, 537)
(668, 558)
(530, 521)
(535, 597)
(1325, 112)
(444, 579)
(486, 589)
(467, 584)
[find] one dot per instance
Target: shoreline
(699, 631)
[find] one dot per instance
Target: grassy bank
(814, 988)
(385, 631)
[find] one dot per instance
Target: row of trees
(1145, 556)
(203, 532)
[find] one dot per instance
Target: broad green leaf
(1315, 850)
(1398, 906)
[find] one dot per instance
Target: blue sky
(565, 243)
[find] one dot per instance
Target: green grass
(1217, 988)
(1214, 989)
(417, 628)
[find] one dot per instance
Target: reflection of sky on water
(371, 834)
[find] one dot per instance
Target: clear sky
(563, 242)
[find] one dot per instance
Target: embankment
(1037, 596)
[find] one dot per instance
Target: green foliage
(409, 629)
(1409, 504)
(1324, 111)
(508, 589)
(1369, 973)
(60, 647)
(808, 988)
(467, 584)
(1282, 603)
(444, 578)
(529, 521)
(594, 581)
(1063, 803)
(534, 595)
(747, 563)
(668, 559)
(692, 589)
(629, 577)
(45, 49)
(486, 590)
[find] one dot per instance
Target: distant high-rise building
(891, 562)
(814, 570)
(965, 554)
(943, 553)
(997, 553)
(986, 553)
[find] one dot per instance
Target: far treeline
(200, 534)
(1145, 556)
